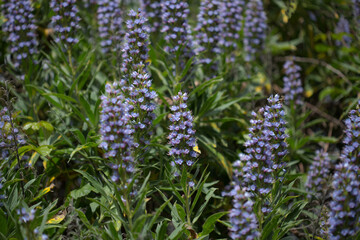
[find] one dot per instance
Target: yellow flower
(196, 149)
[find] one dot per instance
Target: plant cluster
(173, 119)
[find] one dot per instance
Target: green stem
(72, 69)
(187, 204)
(129, 213)
(177, 80)
(261, 218)
(70, 62)
(126, 192)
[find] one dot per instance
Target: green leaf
(61, 96)
(209, 104)
(158, 212)
(28, 184)
(83, 191)
(205, 85)
(112, 232)
(329, 91)
(270, 227)
(85, 104)
(181, 212)
(209, 224)
(139, 223)
(175, 191)
(98, 186)
(178, 232)
(159, 118)
(176, 219)
(161, 229)
(82, 147)
(324, 139)
(44, 150)
(226, 105)
(45, 216)
(183, 179)
(47, 126)
(199, 190)
(84, 219)
(283, 201)
(188, 65)
(33, 125)
(3, 223)
(208, 196)
(161, 77)
(295, 211)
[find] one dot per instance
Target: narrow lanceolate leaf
(210, 222)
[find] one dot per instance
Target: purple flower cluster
(232, 16)
(243, 220)
(351, 150)
(258, 168)
(26, 216)
(176, 29)
(319, 175)
(65, 21)
(152, 10)
(254, 28)
(116, 130)
(344, 218)
(265, 149)
(142, 100)
(293, 89)
(136, 82)
(20, 27)
(208, 32)
(110, 25)
(135, 51)
(10, 137)
(182, 135)
(343, 26)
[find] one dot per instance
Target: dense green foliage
(61, 172)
